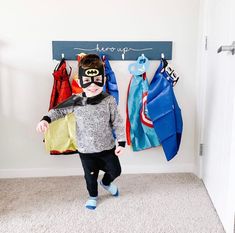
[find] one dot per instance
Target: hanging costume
(111, 83)
(164, 111)
(58, 138)
(61, 88)
(139, 128)
(141, 133)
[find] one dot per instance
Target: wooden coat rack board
(114, 50)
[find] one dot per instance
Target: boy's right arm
(52, 115)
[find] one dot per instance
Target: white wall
(26, 65)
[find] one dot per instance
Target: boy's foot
(112, 188)
(91, 203)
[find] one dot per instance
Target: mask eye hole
(98, 79)
(86, 79)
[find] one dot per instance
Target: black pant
(106, 161)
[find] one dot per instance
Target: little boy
(96, 116)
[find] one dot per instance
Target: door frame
(201, 110)
(201, 83)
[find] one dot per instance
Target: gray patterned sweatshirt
(94, 124)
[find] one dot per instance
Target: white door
(219, 124)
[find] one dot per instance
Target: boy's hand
(42, 126)
(119, 150)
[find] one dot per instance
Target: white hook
(62, 55)
(162, 55)
(123, 56)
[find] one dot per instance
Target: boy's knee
(90, 176)
(117, 172)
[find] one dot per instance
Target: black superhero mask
(89, 76)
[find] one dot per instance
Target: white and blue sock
(112, 188)
(91, 203)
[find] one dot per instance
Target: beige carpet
(149, 203)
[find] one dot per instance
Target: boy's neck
(92, 97)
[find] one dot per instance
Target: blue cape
(111, 83)
(165, 113)
(142, 133)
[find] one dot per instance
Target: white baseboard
(129, 169)
(39, 172)
(155, 168)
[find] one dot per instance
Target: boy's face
(92, 89)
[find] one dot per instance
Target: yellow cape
(61, 136)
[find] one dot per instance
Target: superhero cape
(60, 137)
(139, 128)
(164, 111)
(111, 83)
(61, 88)
(110, 86)
(76, 100)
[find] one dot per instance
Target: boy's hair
(91, 61)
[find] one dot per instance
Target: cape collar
(76, 100)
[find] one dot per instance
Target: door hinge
(206, 43)
(201, 147)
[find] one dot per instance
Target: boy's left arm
(118, 126)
